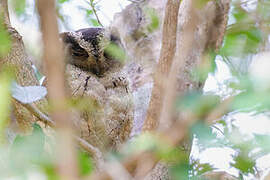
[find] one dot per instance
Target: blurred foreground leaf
(5, 40)
(114, 51)
(94, 22)
(199, 168)
(27, 153)
(5, 100)
(241, 42)
(244, 163)
(180, 170)
(197, 103)
(154, 20)
(19, 6)
(206, 138)
(62, 1)
(85, 163)
(263, 141)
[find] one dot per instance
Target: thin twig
(41, 116)
(94, 151)
(95, 12)
(218, 129)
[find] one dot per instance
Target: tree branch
(94, 151)
(164, 64)
(180, 58)
(53, 57)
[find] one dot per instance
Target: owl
(96, 76)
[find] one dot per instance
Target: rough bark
(17, 58)
(164, 64)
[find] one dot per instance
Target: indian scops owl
(93, 73)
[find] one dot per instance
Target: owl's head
(88, 49)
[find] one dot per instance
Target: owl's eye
(77, 54)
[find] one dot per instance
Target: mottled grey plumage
(96, 75)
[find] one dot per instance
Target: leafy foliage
(5, 103)
(197, 103)
(154, 20)
(85, 163)
(26, 153)
(19, 6)
(5, 39)
(116, 52)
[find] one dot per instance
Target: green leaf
(199, 168)
(240, 14)
(263, 141)
(115, 52)
(28, 150)
(207, 66)
(204, 134)
(94, 22)
(154, 20)
(197, 103)
(51, 172)
(89, 12)
(19, 6)
(5, 100)
(85, 163)
(201, 3)
(252, 100)
(241, 40)
(180, 171)
(5, 40)
(244, 163)
(62, 1)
